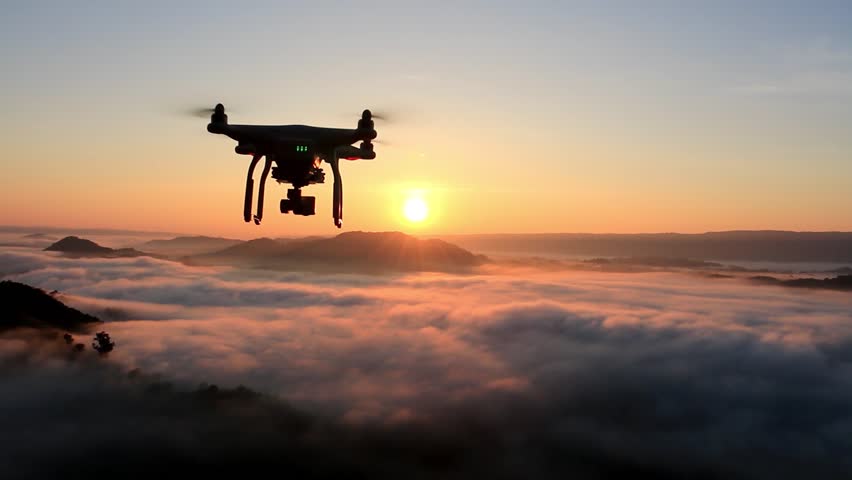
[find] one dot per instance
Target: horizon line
(103, 230)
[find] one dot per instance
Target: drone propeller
(201, 112)
(387, 116)
(366, 124)
(383, 116)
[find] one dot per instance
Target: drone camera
(298, 204)
(305, 206)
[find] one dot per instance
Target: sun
(415, 209)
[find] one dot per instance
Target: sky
(508, 116)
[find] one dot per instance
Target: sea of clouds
(535, 373)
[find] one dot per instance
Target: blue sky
(696, 115)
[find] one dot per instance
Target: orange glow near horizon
(571, 128)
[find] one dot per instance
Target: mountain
(79, 246)
(840, 282)
(350, 251)
(259, 247)
(394, 249)
(183, 246)
(39, 236)
(33, 240)
(661, 262)
(82, 247)
(26, 306)
(754, 246)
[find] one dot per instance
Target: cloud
(548, 374)
(159, 281)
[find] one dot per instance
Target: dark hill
(840, 282)
(77, 246)
(26, 306)
(182, 246)
(351, 251)
(392, 249)
(259, 247)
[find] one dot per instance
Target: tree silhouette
(102, 343)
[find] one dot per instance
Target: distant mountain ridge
(840, 282)
(188, 245)
(254, 248)
(77, 246)
(350, 251)
(741, 245)
(39, 236)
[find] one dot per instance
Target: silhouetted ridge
(770, 246)
(74, 244)
(189, 245)
(83, 247)
(256, 247)
(840, 282)
(350, 251)
(654, 262)
(26, 306)
(396, 247)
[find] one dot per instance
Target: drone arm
(249, 188)
(261, 188)
(337, 203)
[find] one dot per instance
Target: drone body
(297, 152)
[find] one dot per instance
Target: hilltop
(81, 247)
(188, 245)
(350, 251)
(26, 306)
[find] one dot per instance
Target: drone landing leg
(249, 188)
(260, 190)
(337, 201)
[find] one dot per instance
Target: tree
(102, 343)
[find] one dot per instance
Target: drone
(297, 152)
